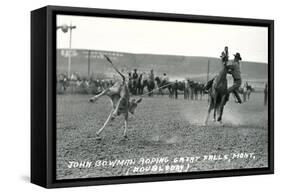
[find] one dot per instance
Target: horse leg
(221, 109)
(215, 112)
(215, 108)
(221, 113)
(209, 111)
(126, 126)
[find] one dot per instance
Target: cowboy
(224, 58)
(224, 55)
(134, 82)
(165, 77)
(151, 75)
(130, 77)
(135, 74)
(234, 70)
(210, 82)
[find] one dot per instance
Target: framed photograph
(125, 96)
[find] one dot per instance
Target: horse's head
(220, 81)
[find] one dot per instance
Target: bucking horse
(218, 95)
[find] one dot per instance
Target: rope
(157, 89)
(107, 58)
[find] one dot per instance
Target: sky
(164, 37)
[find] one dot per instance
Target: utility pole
(65, 29)
(89, 62)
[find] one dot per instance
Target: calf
(120, 100)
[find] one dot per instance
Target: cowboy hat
(237, 56)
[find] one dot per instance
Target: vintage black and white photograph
(143, 97)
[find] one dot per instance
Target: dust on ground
(162, 127)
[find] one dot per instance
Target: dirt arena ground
(162, 127)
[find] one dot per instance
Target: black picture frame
(43, 95)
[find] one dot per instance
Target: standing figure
(165, 78)
(176, 86)
(135, 74)
(186, 90)
(151, 75)
(135, 81)
(224, 55)
(151, 83)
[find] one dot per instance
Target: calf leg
(123, 95)
(125, 128)
(96, 97)
(115, 112)
(126, 125)
(105, 123)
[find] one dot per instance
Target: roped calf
(120, 100)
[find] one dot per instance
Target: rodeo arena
(115, 105)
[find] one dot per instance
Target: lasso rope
(107, 58)
(156, 89)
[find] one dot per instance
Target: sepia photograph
(142, 97)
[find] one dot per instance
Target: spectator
(135, 74)
(165, 78)
(176, 86)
